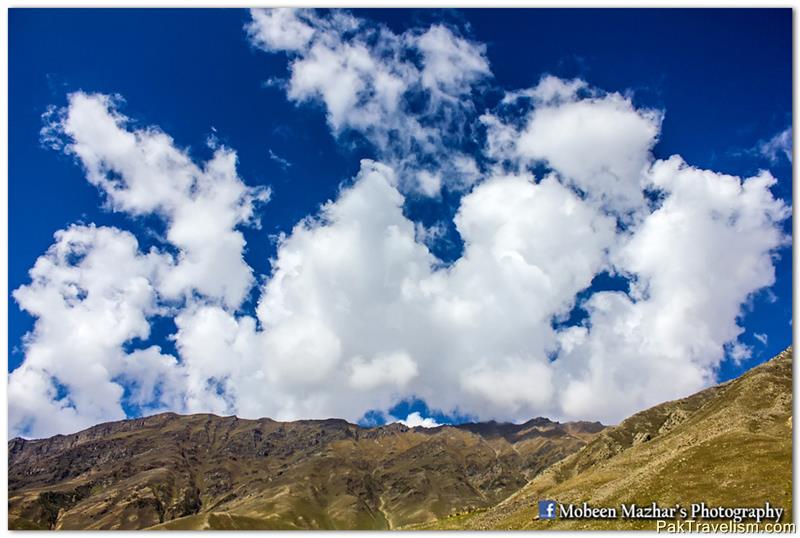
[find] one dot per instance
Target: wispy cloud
(777, 147)
(407, 94)
(283, 163)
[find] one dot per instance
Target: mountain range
(206, 471)
(730, 444)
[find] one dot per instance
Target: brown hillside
(205, 471)
(729, 445)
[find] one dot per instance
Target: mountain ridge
(229, 472)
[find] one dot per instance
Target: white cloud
(90, 293)
(739, 352)
(279, 29)
(696, 260)
(94, 292)
(549, 91)
(512, 384)
(761, 337)
(140, 171)
(283, 163)
(390, 369)
(777, 146)
(429, 235)
(450, 65)
(358, 273)
(430, 184)
(357, 314)
(407, 94)
(600, 144)
(415, 419)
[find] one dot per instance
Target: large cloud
(357, 313)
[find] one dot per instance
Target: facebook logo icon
(547, 509)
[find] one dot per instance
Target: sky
(429, 216)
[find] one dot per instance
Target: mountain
(729, 445)
(204, 471)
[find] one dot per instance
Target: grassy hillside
(729, 445)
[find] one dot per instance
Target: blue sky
(721, 77)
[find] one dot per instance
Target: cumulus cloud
(694, 262)
(90, 292)
(95, 293)
(415, 419)
(601, 144)
(357, 313)
(140, 171)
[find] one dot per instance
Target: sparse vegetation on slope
(729, 445)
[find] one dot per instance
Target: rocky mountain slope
(205, 471)
(729, 445)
